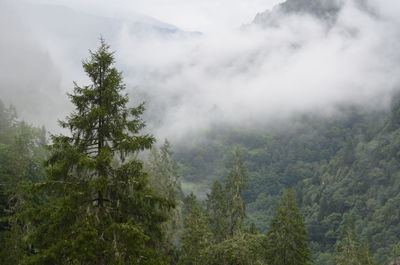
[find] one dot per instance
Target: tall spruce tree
(235, 183)
(100, 208)
(217, 211)
(196, 236)
(350, 251)
(287, 237)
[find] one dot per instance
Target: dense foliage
(341, 167)
(22, 152)
(350, 251)
(164, 178)
(287, 237)
(225, 240)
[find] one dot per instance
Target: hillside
(341, 168)
(324, 10)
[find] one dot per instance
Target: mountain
(52, 17)
(63, 25)
(321, 9)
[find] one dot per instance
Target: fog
(189, 15)
(242, 74)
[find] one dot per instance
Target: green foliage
(163, 172)
(340, 167)
(164, 179)
(395, 253)
(242, 249)
(366, 189)
(196, 236)
(287, 237)
(100, 209)
(350, 251)
(217, 211)
(235, 183)
(22, 150)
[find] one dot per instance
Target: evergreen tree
(395, 255)
(287, 237)
(164, 178)
(217, 210)
(242, 249)
(196, 236)
(235, 183)
(163, 172)
(100, 209)
(22, 152)
(350, 251)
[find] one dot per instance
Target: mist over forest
(268, 134)
(295, 59)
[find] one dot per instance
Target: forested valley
(315, 190)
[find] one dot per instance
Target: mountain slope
(322, 9)
(341, 168)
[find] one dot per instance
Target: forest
(313, 191)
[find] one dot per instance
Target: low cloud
(240, 76)
(29, 79)
(257, 74)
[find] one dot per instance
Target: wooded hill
(317, 191)
(342, 167)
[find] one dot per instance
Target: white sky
(191, 15)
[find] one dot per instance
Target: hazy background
(189, 15)
(202, 63)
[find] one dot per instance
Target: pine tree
(287, 237)
(100, 209)
(235, 183)
(217, 211)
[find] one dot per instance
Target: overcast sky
(190, 15)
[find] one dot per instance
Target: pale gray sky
(190, 15)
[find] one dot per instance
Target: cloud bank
(242, 76)
(189, 15)
(257, 74)
(29, 79)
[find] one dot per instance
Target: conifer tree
(164, 178)
(235, 183)
(22, 152)
(287, 237)
(217, 211)
(242, 249)
(350, 251)
(163, 172)
(100, 208)
(196, 236)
